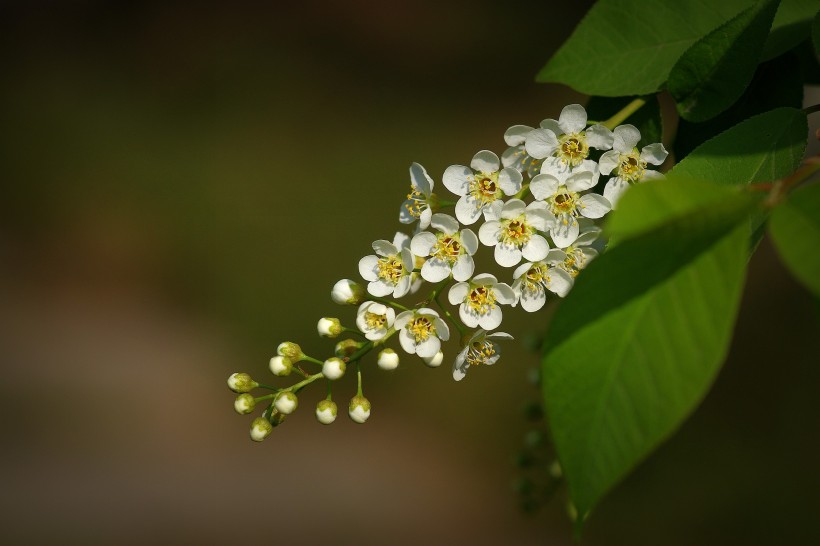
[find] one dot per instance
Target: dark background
(182, 183)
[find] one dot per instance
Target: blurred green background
(183, 183)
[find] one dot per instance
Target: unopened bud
(244, 404)
(241, 382)
(347, 347)
(286, 402)
(388, 359)
(329, 327)
(326, 411)
(333, 368)
(260, 429)
(435, 360)
(280, 365)
(290, 350)
(347, 292)
(359, 409)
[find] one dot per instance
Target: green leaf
(776, 83)
(647, 118)
(640, 338)
(795, 230)
(765, 147)
(792, 25)
(712, 74)
(815, 33)
(628, 47)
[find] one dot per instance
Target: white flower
(359, 409)
(388, 359)
(333, 368)
(347, 292)
(561, 189)
(516, 155)
(402, 241)
(532, 280)
(480, 349)
(480, 186)
(480, 300)
(578, 255)
(260, 429)
(422, 331)
(629, 164)
(450, 251)
(374, 319)
(389, 272)
(566, 139)
(418, 203)
(286, 402)
(326, 411)
(514, 234)
(435, 360)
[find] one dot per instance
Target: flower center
(374, 321)
(480, 352)
(574, 261)
(421, 328)
(447, 248)
(631, 167)
(564, 202)
(516, 232)
(484, 188)
(573, 148)
(390, 269)
(416, 203)
(481, 299)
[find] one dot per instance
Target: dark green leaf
(638, 341)
(815, 33)
(792, 25)
(647, 118)
(765, 147)
(712, 74)
(795, 230)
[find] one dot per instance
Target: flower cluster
(537, 208)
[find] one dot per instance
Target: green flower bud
(359, 409)
(290, 350)
(326, 411)
(260, 429)
(333, 368)
(280, 365)
(286, 402)
(347, 292)
(241, 382)
(244, 404)
(329, 327)
(388, 359)
(347, 347)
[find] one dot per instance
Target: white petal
(541, 143)
(503, 295)
(385, 248)
(521, 269)
(499, 335)
(544, 186)
(380, 288)
(456, 179)
(444, 223)
(539, 218)
(516, 135)
(509, 180)
(580, 181)
(467, 210)
(435, 270)
(654, 153)
(420, 179)
(402, 287)
(428, 347)
(533, 300)
(469, 241)
(422, 243)
(563, 235)
(401, 240)
(514, 157)
(467, 316)
(463, 268)
(491, 320)
(442, 330)
(404, 212)
(626, 138)
(484, 278)
(573, 118)
(507, 255)
(458, 293)
(560, 281)
(651, 175)
(614, 189)
(555, 256)
(493, 210)
(593, 205)
(536, 249)
(424, 219)
(588, 236)
(599, 137)
(513, 208)
(368, 267)
(488, 232)
(551, 125)
(460, 367)
(407, 259)
(407, 342)
(485, 161)
(609, 161)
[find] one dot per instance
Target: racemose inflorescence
(537, 211)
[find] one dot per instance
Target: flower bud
(347, 347)
(241, 382)
(359, 409)
(286, 402)
(244, 404)
(347, 292)
(329, 327)
(290, 350)
(333, 368)
(260, 429)
(435, 360)
(280, 365)
(388, 359)
(326, 411)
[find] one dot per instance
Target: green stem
(453, 320)
(359, 374)
(353, 331)
(444, 203)
(624, 113)
(310, 379)
(314, 360)
(329, 390)
(269, 387)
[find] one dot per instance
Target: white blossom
(435, 360)
(515, 235)
(480, 186)
(374, 319)
(578, 255)
(480, 349)
(532, 280)
(421, 331)
(450, 252)
(566, 139)
(628, 163)
(388, 272)
(516, 155)
(479, 301)
(418, 205)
